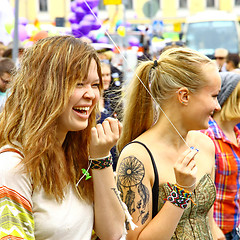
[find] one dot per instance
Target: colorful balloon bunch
(22, 31)
(82, 20)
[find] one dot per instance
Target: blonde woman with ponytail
(165, 171)
(56, 178)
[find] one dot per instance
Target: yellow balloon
(121, 31)
(9, 27)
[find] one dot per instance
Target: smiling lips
(82, 110)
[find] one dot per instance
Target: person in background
(7, 68)
(165, 170)
(232, 63)
(2, 49)
(56, 179)
(220, 55)
(105, 103)
(226, 137)
(114, 93)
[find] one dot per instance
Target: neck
(227, 127)
(174, 136)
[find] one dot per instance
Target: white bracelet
(186, 186)
(90, 159)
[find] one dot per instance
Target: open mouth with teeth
(82, 110)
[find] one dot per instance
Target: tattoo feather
(144, 194)
(129, 200)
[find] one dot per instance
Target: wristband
(101, 163)
(179, 197)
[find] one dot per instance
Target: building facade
(132, 11)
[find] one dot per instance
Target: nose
(218, 107)
(89, 93)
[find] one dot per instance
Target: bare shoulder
(201, 139)
(135, 150)
(204, 143)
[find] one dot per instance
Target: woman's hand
(104, 136)
(185, 170)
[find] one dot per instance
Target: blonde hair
(175, 68)
(231, 107)
(49, 72)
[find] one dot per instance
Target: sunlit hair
(48, 75)
(176, 68)
(231, 107)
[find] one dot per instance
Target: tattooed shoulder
(134, 193)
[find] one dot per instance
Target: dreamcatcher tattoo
(130, 175)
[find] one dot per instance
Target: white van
(206, 31)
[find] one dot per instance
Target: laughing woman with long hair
(56, 179)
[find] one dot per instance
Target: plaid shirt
(227, 177)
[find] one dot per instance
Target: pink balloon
(22, 33)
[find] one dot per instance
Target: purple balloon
(79, 3)
(95, 10)
(103, 39)
(89, 18)
(22, 21)
(96, 26)
(74, 26)
(91, 4)
(91, 36)
(75, 30)
(73, 6)
(84, 27)
(80, 13)
(73, 18)
(133, 41)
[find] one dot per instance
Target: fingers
(189, 156)
(109, 126)
(114, 124)
(104, 136)
(186, 169)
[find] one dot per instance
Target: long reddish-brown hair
(42, 87)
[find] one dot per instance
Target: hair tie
(155, 63)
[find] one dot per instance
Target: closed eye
(97, 85)
(79, 84)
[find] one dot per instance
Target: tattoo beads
(179, 196)
(101, 163)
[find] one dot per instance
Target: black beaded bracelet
(101, 163)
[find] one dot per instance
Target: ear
(183, 95)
